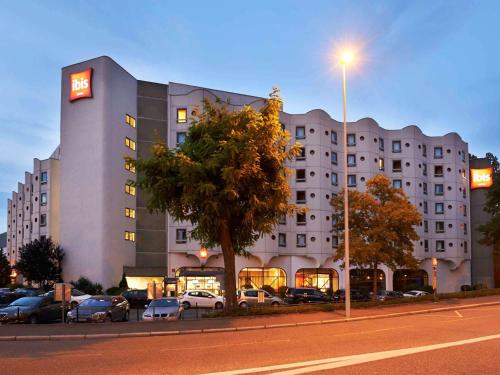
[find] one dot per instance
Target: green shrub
(115, 291)
(269, 289)
(123, 282)
(479, 286)
(282, 291)
(465, 288)
(85, 285)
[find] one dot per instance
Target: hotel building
(106, 230)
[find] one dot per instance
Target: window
(439, 226)
(465, 210)
(130, 143)
(334, 178)
(351, 139)
(43, 199)
(438, 152)
(300, 196)
(424, 188)
(181, 138)
(180, 235)
(381, 144)
(281, 239)
(466, 248)
(333, 137)
(351, 180)
(181, 115)
(396, 166)
(426, 226)
(396, 146)
(302, 154)
(424, 169)
(439, 246)
(301, 219)
(300, 132)
(424, 151)
(426, 208)
(397, 184)
(381, 164)
(438, 189)
(43, 220)
(130, 212)
(464, 193)
(439, 208)
(465, 229)
(301, 240)
(44, 177)
(129, 236)
(129, 189)
(351, 160)
(426, 245)
(334, 158)
(463, 159)
(129, 120)
(282, 220)
(129, 166)
(438, 171)
(300, 175)
(335, 242)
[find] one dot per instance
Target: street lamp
(13, 276)
(345, 59)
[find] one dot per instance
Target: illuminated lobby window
(130, 143)
(324, 279)
(257, 277)
(129, 120)
(130, 212)
(181, 115)
(129, 166)
(129, 236)
(129, 189)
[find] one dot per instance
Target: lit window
(381, 144)
(302, 154)
(351, 180)
(281, 239)
(129, 120)
(439, 226)
(43, 199)
(129, 166)
(300, 132)
(300, 196)
(129, 189)
(301, 240)
(439, 208)
(44, 177)
(130, 212)
(351, 160)
(181, 115)
(396, 146)
(130, 143)
(181, 138)
(397, 184)
(334, 158)
(300, 175)
(440, 246)
(334, 178)
(396, 166)
(180, 235)
(301, 219)
(381, 164)
(129, 236)
(351, 139)
(438, 152)
(333, 137)
(43, 220)
(438, 189)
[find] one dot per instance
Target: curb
(234, 329)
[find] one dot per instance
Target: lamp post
(13, 276)
(434, 276)
(346, 58)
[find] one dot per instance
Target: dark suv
(136, 297)
(305, 295)
(356, 295)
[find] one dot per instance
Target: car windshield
(164, 303)
(26, 301)
(96, 302)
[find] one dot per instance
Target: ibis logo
(80, 85)
(481, 178)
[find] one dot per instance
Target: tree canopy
(228, 179)
(4, 269)
(491, 229)
(381, 227)
(40, 261)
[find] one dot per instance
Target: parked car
(100, 309)
(250, 297)
(201, 298)
(415, 293)
(5, 290)
(27, 292)
(356, 295)
(136, 297)
(305, 295)
(6, 298)
(167, 308)
(384, 295)
(32, 310)
(76, 297)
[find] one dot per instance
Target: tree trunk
(375, 281)
(229, 266)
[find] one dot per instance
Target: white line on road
(336, 362)
(458, 314)
(225, 345)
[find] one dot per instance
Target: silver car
(250, 297)
(167, 308)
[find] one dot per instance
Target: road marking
(336, 362)
(459, 315)
(226, 345)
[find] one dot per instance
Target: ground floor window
(362, 279)
(404, 280)
(258, 277)
(204, 278)
(324, 279)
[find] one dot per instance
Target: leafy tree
(381, 227)
(228, 179)
(123, 282)
(85, 285)
(40, 261)
(4, 269)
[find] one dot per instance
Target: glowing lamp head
(13, 274)
(346, 57)
(203, 253)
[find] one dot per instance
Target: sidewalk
(56, 331)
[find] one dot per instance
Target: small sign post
(260, 296)
(62, 292)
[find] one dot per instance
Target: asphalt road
(452, 342)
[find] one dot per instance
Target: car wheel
(243, 305)
(218, 306)
(186, 305)
(33, 319)
(275, 303)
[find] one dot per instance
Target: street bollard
(196, 310)
(137, 312)
(18, 314)
(153, 313)
(77, 313)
